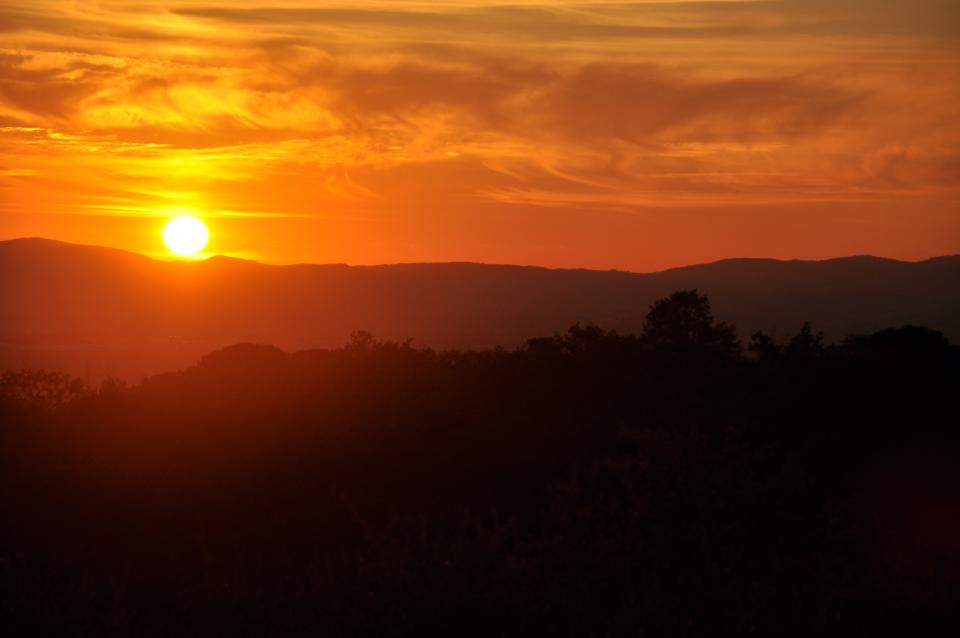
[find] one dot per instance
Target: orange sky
(607, 135)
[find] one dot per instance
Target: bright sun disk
(185, 235)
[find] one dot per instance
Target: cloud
(44, 91)
(87, 26)
(545, 22)
(552, 20)
(612, 105)
(645, 103)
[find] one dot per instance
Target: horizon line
(205, 258)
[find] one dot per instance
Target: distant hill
(96, 311)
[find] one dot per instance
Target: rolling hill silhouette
(97, 312)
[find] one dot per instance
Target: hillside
(96, 311)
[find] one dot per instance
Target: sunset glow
(616, 135)
(508, 317)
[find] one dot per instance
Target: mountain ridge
(220, 257)
(100, 311)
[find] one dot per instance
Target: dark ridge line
(228, 259)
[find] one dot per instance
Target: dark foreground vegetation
(589, 484)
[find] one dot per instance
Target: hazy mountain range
(96, 311)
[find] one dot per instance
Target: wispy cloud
(313, 107)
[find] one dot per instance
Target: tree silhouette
(588, 483)
(806, 344)
(764, 347)
(39, 388)
(684, 321)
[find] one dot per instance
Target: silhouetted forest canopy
(674, 482)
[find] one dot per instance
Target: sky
(628, 135)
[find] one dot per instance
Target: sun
(185, 235)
